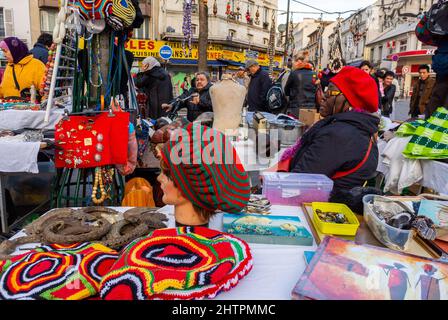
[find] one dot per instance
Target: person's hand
(167, 107)
(144, 67)
(195, 100)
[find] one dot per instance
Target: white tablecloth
(19, 156)
(247, 153)
(28, 119)
(276, 269)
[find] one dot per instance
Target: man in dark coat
(421, 92)
(43, 44)
(342, 146)
(156, 83)
(199, 101)
(258, 87)
(301, 86)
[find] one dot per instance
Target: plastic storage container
(293, 189)
(391, 237)
(349, 229)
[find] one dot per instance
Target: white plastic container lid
(296, 180)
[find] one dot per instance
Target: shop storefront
(183, 64)
(407, 64)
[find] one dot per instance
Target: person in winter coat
(301, 86)
(341, 146)
(22, 70)
(156, 83)
(199, 101)
(421, 92)
(258, 87)
(43, 44)
(387, 99)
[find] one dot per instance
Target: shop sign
(406, 69)
(151, 48)
(241, 57)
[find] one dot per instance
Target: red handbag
(92, 141)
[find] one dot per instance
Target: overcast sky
(327, 5)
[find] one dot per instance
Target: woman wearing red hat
(342, 145)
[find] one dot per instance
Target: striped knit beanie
(206, 168)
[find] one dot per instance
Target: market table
(435, 173)
(276, 268)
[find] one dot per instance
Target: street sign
(166, 52)
(406, 69)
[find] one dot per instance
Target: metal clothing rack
(63, 79)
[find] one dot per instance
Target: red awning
(413, 53)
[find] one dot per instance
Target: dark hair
(205, 74)
(424, 66)
(46, 39)
(389, 74)
(366, 63)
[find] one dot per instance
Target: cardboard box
(309, 116)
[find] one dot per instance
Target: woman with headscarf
(207, 177)
(341, 146)
(22, 70)
(156, 83)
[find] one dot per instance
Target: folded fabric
(179, 263)
(429, 138)
(402, 172)
(56, 272)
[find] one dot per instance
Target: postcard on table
(343, 270)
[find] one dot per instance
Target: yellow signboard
(150, 48)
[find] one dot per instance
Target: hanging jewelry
(271, 47)
(98, 184)
(186, 26)
(257, 16)
(215, 8)
(248, 17)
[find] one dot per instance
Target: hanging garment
(93, 9)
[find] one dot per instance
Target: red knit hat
(358, 87)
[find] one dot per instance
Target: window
(380, 53)
(48, 20)
(250, 37)
(403, 45)
(194, 28)
(372, 54)
(265, 41)
(143, 31)
(266, 15)
(2, 24)
(231, 35)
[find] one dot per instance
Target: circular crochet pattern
(179, 263)
(56, 272)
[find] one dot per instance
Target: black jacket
(336, 144)
(387, 100)
(205, 103)
(301, 88)
(157, 85)
(40, 52)
(258, 89)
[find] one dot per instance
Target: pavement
(400, 110)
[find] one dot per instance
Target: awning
(413, 53)
(355, 63)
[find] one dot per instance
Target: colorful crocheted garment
(89, 9)
(56, 272)
(179, 263)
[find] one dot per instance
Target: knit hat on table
(18, 48)
(208, 171)
(56, 272)
(178, 263)
(358, 87)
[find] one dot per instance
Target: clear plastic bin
(393, 238)
(293, 189)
